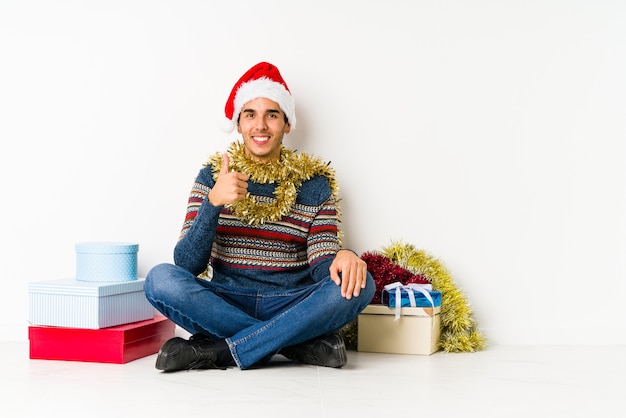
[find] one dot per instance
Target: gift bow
(410, 289)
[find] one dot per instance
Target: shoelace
(204, 359)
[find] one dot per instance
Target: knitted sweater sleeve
(323, 239)
(193, 249)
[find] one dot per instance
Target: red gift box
(119, 344)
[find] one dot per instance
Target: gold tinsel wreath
(289, 172)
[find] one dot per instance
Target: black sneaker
(327, 351)
(180, 354)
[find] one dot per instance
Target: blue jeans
(255, 323)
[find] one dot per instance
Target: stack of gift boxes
(102, 315)
(407, 321)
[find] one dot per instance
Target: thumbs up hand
(225, 164)
(230, 186)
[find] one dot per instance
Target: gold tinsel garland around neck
(289, 171)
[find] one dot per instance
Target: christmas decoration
(458, 327)
(384, 271)
(401, 262)
(289, 172)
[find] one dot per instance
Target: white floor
(502, 381)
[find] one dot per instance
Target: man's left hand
(353, 273)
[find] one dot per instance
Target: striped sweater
(295, 251)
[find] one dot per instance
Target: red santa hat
(262, 80)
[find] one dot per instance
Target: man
(258, 266)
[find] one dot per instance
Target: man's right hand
(230, 187)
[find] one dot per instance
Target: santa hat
(262, 80)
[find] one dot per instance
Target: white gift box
(106, 261)
(415, 331)
(78, 304)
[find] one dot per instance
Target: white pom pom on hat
(262, 80)
(226, 125)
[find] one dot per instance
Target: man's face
(262, 125)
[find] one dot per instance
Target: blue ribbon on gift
(410, 289)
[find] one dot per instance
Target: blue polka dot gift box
(106, 261)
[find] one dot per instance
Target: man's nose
(260, 123)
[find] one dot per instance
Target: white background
(488, 133)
